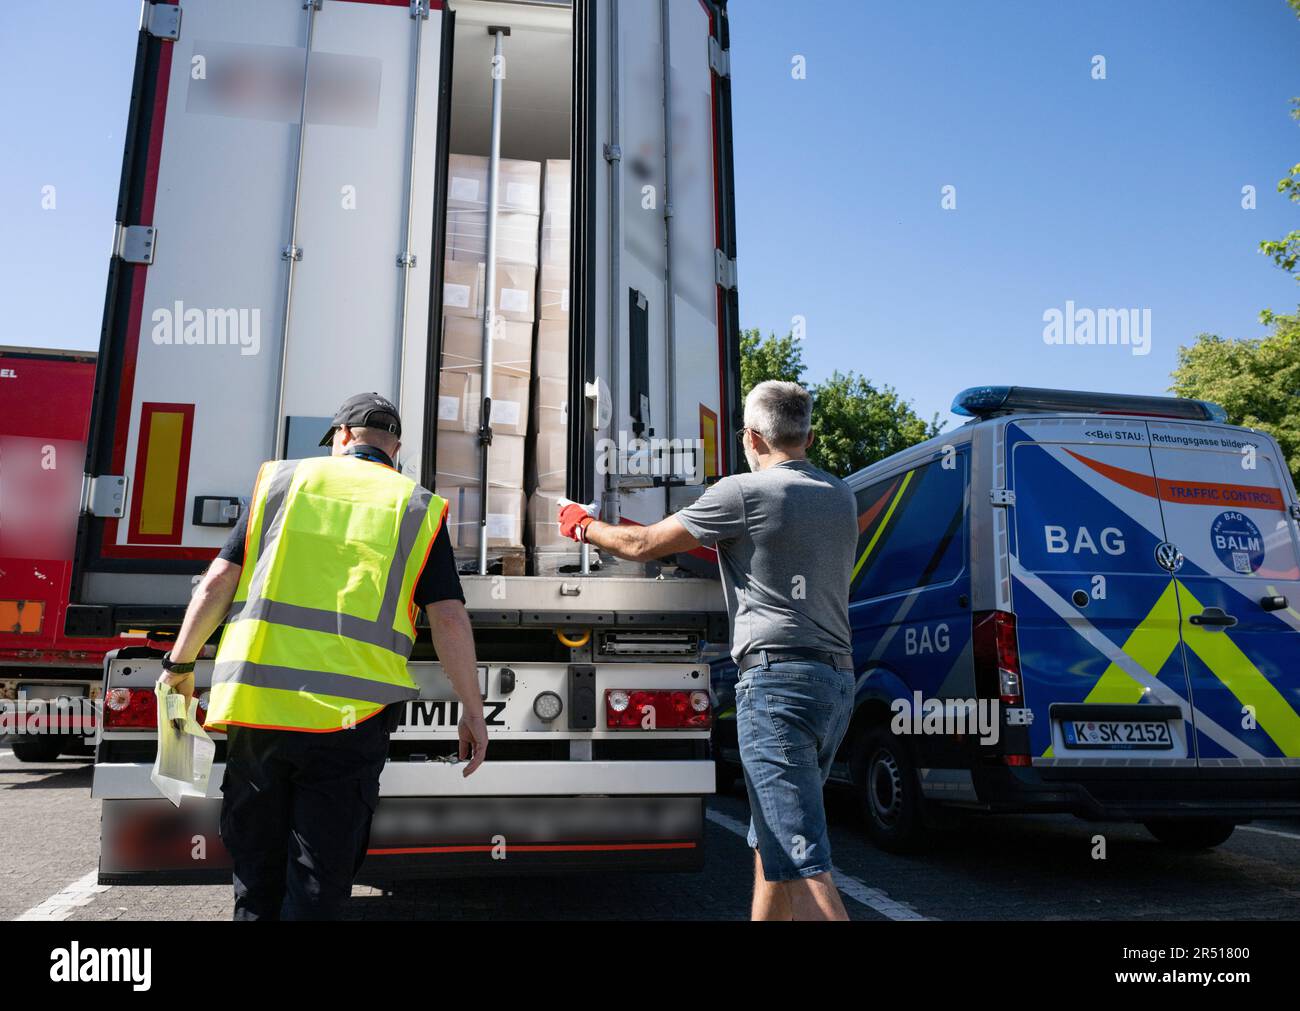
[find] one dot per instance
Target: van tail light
(651, 709)
(137, 709)
(997, 656)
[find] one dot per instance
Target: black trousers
(296, 812)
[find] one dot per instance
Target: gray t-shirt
(786, 537)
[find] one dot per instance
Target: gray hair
(780, 412)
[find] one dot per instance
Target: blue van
(1076, 602)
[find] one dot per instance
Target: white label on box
(521, 195)
(464, 188)
(564, 300)
(514, 300)
(505, 411)
(456, 295)
(501, 526)
(448, 408)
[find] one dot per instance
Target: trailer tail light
(137, 709)
(652, 709)
(130, 709)
(997, 656)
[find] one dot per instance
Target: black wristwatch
(176, 668)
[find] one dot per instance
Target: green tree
(771, 358)
(1286, 250)
(1256, 381)
(856, 423)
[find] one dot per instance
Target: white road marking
(1268, 831)
(873, 898)
(81, 892)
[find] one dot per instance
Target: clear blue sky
(1122, 193)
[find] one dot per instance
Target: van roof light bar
(989, 401)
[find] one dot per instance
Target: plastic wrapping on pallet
(458, 460)
(505, 517)
(516, 237)
(462, 346)
(518, 184)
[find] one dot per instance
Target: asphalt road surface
(1040, 867)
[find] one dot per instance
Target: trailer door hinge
(1295, 511)
(1020, 717)
(724, 270)
(162, 21)
(103, 495)
(135, 243)
(613, 153)
(719, 58)
(419, 9)
(1002, 496)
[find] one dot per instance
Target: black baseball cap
(365, 410)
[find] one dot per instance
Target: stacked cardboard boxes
(550, 393)
(460, 390)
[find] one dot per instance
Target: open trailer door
(654, 282)
(270, 259)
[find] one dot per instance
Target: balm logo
(1099, 326)
(181, 326)
(103, 965)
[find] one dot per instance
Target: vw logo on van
(1169, 557)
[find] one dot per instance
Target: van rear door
(1226, 502)
(1096, 615)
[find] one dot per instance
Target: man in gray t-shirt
(785, 535)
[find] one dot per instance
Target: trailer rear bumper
(152, 842)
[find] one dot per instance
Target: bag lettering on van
(925, 642)
(1059, 543)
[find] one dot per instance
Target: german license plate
(1118, 735)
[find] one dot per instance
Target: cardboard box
(452, 410)
(550, 453)
(505, 518)
(515, 296)
(551, 404)
(542, 531)
(512, 346)
(553, 291)
(556, 200)
(517, 236)
(552, 356)
(509, 404)
(452, 520)
(462, 290)
(458, 460)
(518, 183)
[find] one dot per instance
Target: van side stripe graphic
(883, 523)
(1241, 677)
(1207, 493)
(1160, 691)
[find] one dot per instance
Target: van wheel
(888, 794)
(1191, 833)
(40, 749)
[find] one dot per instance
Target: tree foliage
(1256, 381)
(856, 422)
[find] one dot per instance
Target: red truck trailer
(49, 683)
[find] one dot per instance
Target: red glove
(574, 519)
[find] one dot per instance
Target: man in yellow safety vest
(319, 586)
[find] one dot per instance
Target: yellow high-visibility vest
(323, 620)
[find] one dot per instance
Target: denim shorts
(790, 718)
